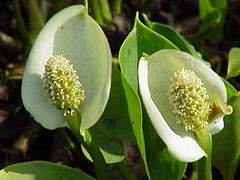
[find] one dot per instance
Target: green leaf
(226, 144)
(216, 34)
(36, 21)
(233, 62)
(114, 125)
(158, 156)
(204, 8)
(140, 40)
(173, 36)
(176, 38)
(112, 152)
(101, 11)
(115, 121)
(39, 170)
(143, 40)
(75, 35)
(212, 13)
(168, 168)
(231, 91)
(209, 23)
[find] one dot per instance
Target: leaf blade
(36, 170)
(233, 63)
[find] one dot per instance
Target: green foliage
(35, 21)
(173, 36)
(39, 170)
(101, 11)
(114, 125)
(226, 144)
(73, 33)
(143, 39)
(233, 62)
(212, 14)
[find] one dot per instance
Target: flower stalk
(65, 91)
(74, 121)
(204, 165)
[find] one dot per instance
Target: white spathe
(76, 36)
(154, 73)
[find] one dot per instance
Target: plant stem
(21, 26)
(96, 12)
(117, 6)
(101, 11)
(35, 22)
(194, 175)
(35, 18)
(105, 10)
(204, 140)
(96, 155)
(204, 169)
(125, 171)
(229, 173)
(86, 5)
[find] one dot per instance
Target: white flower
(181, 95)
(78, 38)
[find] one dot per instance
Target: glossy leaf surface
(233, 63)
(144, 40)
(39, 170)
(226, 144)
(114, 125)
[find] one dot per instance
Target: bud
(62, 84)
(189, 100)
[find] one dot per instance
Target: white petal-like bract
(154, 73)
(77, 37)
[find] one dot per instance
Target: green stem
(229, 173)
(105, 10)
(18, 15)
(101, 11)
(117, 6)
(96, 12)
(43, 9)
(35, 18)
(96, 155)
(125, 171)
(204, 140)
(194, 175)
(86, 5)
(204, 169)
(98, 161)
(21, 26)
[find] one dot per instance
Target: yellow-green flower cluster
(62, 84)
(189, 100)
